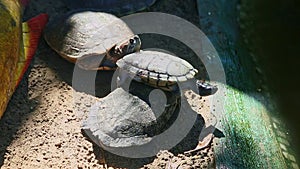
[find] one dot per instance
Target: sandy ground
(41, 126)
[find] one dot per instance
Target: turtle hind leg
(206, 89)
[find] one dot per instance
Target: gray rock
(123, 120)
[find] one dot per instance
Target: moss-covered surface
(250, 141)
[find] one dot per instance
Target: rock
(122, 120)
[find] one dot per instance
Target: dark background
(277, 24)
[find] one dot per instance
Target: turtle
(93, 40)
(18, 43)
(117, 7)
(161, 70)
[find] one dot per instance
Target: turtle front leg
(206, 89)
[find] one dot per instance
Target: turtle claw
(206, 89)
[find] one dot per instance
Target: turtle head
(129, 46)
(133, 45)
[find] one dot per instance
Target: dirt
(41, 127)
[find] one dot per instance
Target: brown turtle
(95, 40)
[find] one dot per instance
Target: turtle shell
(85, 33)
(157, 69)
